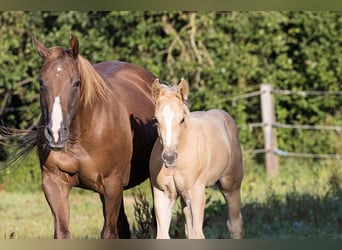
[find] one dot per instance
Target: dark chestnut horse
(96, 132)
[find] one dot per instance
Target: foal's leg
(233, 199)
(194, 202)
(111, 202)
(56, 192)
(163, 204)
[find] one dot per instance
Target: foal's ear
(183, 89)
(73, 46)
(156, 89)
(42, 51)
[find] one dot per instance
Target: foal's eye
(155, 121)
(182, 120)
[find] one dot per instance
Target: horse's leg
(194, 212)
(163, 204)
(123, 225)
(56, 193)
(233, 199)
(111, 202)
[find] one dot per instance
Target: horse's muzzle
(170, 158)
(58, 144)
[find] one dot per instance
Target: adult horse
(195, 150)
(95, 132)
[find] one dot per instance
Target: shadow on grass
(292, 216)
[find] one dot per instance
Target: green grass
(302, 202)
(28, 216)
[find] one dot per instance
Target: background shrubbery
(221, 54)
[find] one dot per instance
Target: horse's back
(234, 168)
(219, 137)
(131, 89)
(117, 72)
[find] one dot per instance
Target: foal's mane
(93, 87)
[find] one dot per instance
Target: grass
(302, 202)
(28, 216)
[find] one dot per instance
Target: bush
(221, 54)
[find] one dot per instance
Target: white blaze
(56, 117)
(168, 116)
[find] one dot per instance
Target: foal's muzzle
(170, 158)
(50, 139)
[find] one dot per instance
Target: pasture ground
(303, 202)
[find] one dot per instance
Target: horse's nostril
(48, 133)
(63, 133)
(169, 156)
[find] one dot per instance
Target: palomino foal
(195, 150)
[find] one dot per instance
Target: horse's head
(59, 90)
(170, 114)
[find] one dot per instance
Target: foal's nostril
(169, 156)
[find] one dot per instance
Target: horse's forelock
(172, 90)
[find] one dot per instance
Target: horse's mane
(23, 142)
(93, 86)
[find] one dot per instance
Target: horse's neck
(191, 127)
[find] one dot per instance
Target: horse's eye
(76, 84)
(40, 80)
(182, 120)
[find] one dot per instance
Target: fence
(269, 126)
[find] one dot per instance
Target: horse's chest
(184, 179)
(62, 161)
(81, 167)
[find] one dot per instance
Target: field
(303, 202)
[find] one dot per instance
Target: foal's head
(59, 90)
(170, 114)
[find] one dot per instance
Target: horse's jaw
(56, 147)
(170, 165)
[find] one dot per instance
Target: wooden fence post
(270, 139)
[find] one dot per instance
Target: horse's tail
(23, 142)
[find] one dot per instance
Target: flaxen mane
(93, 86)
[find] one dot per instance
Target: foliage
(145, 225)
(221, 54)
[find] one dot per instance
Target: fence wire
(303, 93)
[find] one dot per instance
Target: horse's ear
(42, 51)
(183, 89)
(155, 89)
(73, 46)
